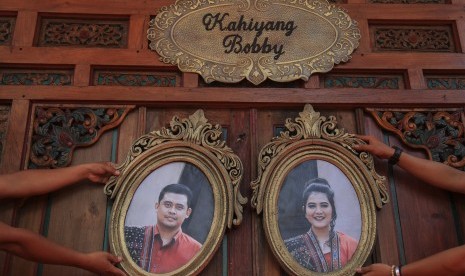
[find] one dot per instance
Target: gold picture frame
(190, 152)
(312, 156)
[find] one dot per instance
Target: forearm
(33, 247)
(434, 173)
(37, 182)
(449, 262)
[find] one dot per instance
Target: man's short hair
(177, 189)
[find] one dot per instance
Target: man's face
(172, 211)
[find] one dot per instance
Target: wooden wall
(402, 62)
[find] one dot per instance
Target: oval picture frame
(191, 152)
(312, 152)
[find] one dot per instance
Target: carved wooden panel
(59, 129)
(454, 82)
(58, 32)
(376, 81)
(427, 38)
(23, 76)
(7, 25)
(136, 78)
(4, 116)
(439, 132)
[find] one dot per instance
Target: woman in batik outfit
(321, 248)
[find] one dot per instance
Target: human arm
(37, 182)
(434, 173)
(449, 262)
(33, 247)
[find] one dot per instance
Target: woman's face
(318, 210)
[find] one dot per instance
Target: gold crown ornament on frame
(229, 40)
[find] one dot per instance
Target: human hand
(374, 146)
(375, 270)
(103, 263)
(100, 172)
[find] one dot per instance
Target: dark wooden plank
(138, 26)
(146, 57)
(129, 131)
(416, 79)
(265, 128)
(24, 29)
(357, 9)
(420, 207)
(30, 214)
(386, 247)
(459, 216)
(13, 147)
(232, 97)
(190, 80)
(240, 259)
(82, 75)
(78, 212)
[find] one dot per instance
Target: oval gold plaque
(228, 41)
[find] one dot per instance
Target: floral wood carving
(438, 132)
(414, 38)
(58, 130)
(62, 32)
(6, 30)
(196, 130)
(310, 125)
(4, 119)
(157, 79)
(21, 77)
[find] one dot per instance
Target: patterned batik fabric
(307, 252)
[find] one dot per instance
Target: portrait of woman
(310, 234)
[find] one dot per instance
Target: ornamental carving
(59, 130)
(157, 79)
(374, 82)
(438, 132)
(413, 38)
(4, 116)
(25, 77)
(230, 40)
(59, 32)
(445, 82)
(6, 30)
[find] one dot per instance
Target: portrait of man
(162, 237)
(319, 216)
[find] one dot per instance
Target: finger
(118, 272)
(360, 147)
(363, 270)
(365, 138)
(114, 259)
(111, 168)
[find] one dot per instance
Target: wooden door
(410, 59)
